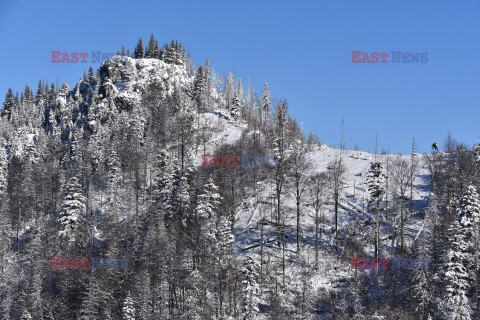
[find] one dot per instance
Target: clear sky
(301, 48)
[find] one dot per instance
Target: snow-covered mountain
(114, 169)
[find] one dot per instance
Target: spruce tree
(266, 105)
(376, 183)
(163, 180)
(235, 107)
(200, 88)
(476, 153)
(207, 205)
(469, 214)
(91, 76)
(128, 309)
(138, 53)
(181, 202)
(39, 95)
(376, 188)
(72, 216)
(3, 171)
(250, 289)
(8, 104)
(173, 53)
(114, 177)
(27, 95)
(469, 219)
(90, 302)
(457, 305)
(226, 238)
(152, 50)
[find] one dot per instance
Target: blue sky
(301, 48)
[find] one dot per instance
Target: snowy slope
(127, 79)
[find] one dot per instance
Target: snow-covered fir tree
(200, 93)
(72, 216)
(138, 52)
(128, 309)
(152, 50)
(266, 104)
(8, 104)
(457, 305)
(207, 209)
(3, 170)
(376, 183)
(250, 288)
(235, 107)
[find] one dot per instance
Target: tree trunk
(336, 216)
(299, 233)
(316, 238)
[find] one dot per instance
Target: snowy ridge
(127, 78)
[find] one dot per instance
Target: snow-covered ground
(333, 271)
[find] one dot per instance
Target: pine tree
(128, 309)
(71, 218)
(476, 153)
(40, 95)
(27, 95)
(163, 176)
(197, 296)
(336, 172)
(181, 201)
(376, 188)
(75, 152)
(90, 303)
(91, 76)
(173, 53)
(200, 88)
(138, 53)
(423, 280)
(114, 178)
(3, 170)
(251, 290)
(8, 104)
(469, 219)
(152, 50)
(5, 227)
(207, 205)
(376, 183)
(456, 277)
(469, 214)
(266, 105)
(226, 238)
(235, 107)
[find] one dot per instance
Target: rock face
(124, 78)
(121, 83)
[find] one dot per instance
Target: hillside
(108, 211)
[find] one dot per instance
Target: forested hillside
(134, 170)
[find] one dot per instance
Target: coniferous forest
(157, 188)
